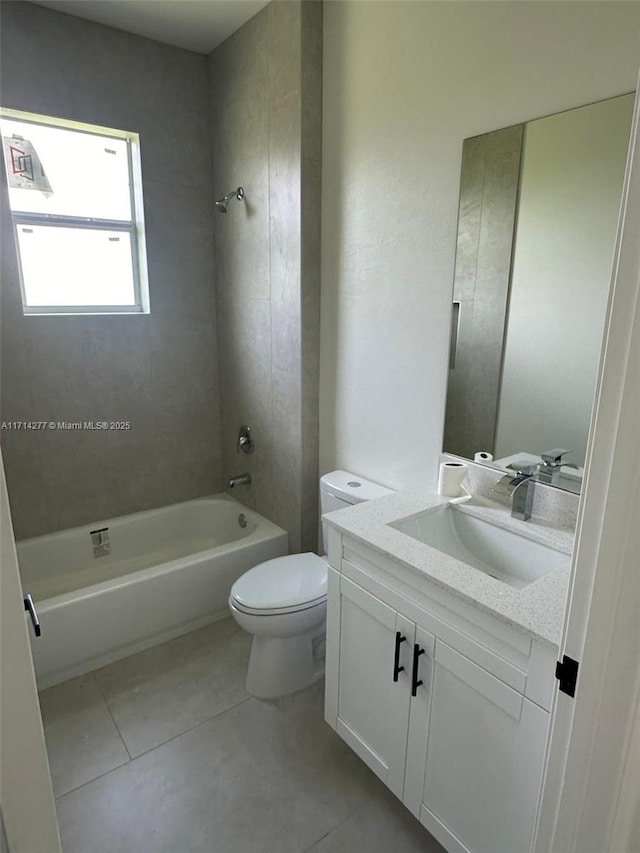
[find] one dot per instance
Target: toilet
(283, 603)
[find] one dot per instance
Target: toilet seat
(283, 585)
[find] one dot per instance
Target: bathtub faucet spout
(240, 480)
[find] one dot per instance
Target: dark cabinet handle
(30, 606)
(417, 651)
(397, 669)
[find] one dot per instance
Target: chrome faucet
(551, 465)
(520, 489)
(240, 480)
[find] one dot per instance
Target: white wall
(570, 192)
(404, 84)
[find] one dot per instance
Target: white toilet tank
(340, 489)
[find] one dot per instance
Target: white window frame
(134, 227)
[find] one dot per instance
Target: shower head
(223, 203)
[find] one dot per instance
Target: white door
(591, 788)
(484, 759)
(374, 686)
(26, 796)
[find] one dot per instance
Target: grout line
(329, 832)
(193, 728)
(158, 746)
(104, 699)
(89, 781)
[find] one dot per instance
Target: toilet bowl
(283, 603)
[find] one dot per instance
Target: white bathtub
(169, 571)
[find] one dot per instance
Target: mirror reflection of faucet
(552, 463)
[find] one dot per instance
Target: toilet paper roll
(483, 456)
(450, 479)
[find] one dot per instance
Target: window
(75, 193)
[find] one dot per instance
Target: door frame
(589, 798)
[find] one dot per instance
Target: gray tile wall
(158, 371)
(266, 95)
(486, 223)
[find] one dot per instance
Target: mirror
(537, 224)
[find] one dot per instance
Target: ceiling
(198, 25)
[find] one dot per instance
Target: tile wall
(266, 97)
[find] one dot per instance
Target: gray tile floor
(165, 752)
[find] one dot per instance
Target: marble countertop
(537, 608)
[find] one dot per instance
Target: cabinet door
(419, 720)
(373, 709)
(484, 762)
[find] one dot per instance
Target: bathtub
(155, 575)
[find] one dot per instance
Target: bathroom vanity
(444, 621)
(439, 672)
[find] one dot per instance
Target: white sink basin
(506, 556)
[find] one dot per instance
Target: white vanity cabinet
(445, 703)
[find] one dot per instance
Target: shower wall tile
(310, 487)
(284, 41)
(54, 63)
(285, 482)
(285, 199)
(257, 131)
(14, 379)
(198, 458)
(245, 338)
(174, 146)
(310, 271)
(311, 175)
(178, 235)
(311, 106)
(88, 368)
(181, 357)
(239, 67)
(21, 456)
(310, 335)
(285, 270)
(110, 477)
(287, 419)
(158, 371)
(285, 338)
(176, 73)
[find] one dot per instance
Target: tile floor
(165, 752)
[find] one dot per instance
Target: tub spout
(240, 480)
